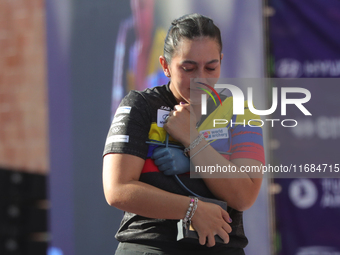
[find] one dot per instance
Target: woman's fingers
(226, 216)
(178, 124)
(224, 233)
(226, 227)
(182, 107)
(209, 221)
(178, 108)
(202, 239)
(211, 240)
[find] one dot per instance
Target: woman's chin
(195, 100)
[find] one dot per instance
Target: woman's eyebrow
(213, 61)
(195, 63)
(189, 62)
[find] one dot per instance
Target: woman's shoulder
(147, 99)
(148, 92)
(158, 95)
(154, 91)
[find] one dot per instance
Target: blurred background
(66, 64)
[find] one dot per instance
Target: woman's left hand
(181, 124)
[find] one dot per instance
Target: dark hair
(190, 26)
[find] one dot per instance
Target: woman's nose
(201, 75)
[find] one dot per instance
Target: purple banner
(305, 42)
(305, 38)
(308, 216)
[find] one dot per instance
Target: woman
(152, 200)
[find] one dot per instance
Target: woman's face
(200, 59)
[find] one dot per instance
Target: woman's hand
(181, 124)
(210, 220)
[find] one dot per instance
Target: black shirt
(139, 119)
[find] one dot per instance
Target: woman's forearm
(237, 188)
(122, 189)
(148, 201)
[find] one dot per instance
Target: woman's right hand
(210, 220)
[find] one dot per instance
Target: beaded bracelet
(193, 144)
(191, 211)
(187, 215)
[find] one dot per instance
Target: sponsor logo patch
(217, 133)
(123, 109)
(167, 108)
(161, 115)
(117, 124)
(117, 139)
(115, 129)
(119, 118)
